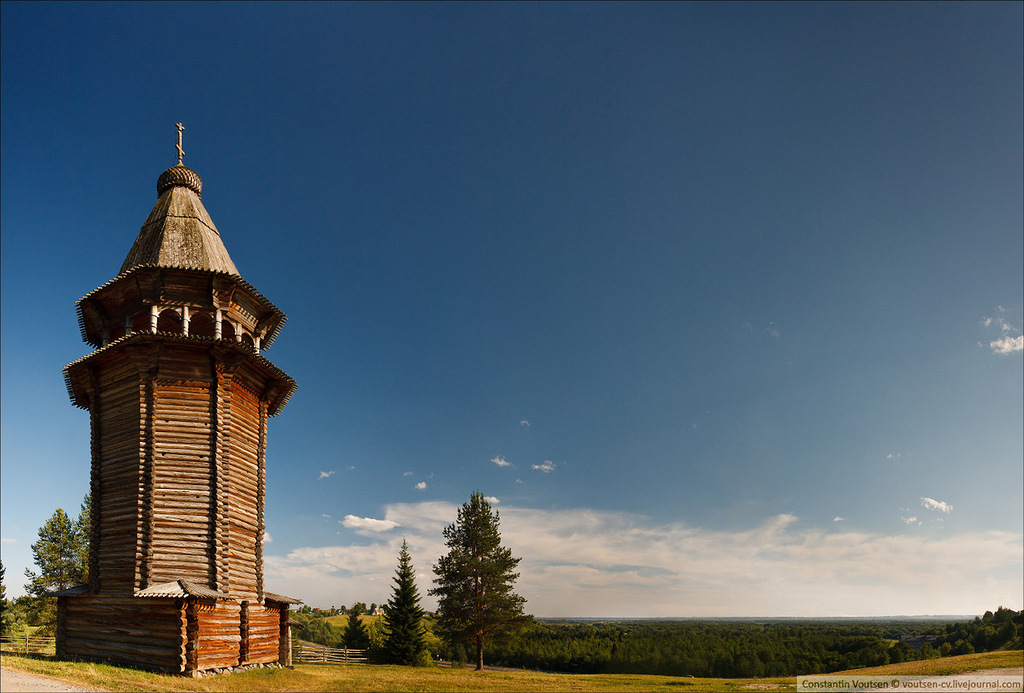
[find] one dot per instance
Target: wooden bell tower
(179, 395)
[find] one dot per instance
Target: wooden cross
(181, 152)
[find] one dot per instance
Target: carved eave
(278, 388)
(146, 285)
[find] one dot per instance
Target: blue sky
(720, 303)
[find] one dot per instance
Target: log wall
(182, 538)
(118, 438)
(147, 633)
(244, 499)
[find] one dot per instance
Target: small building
(918, 641)
(179, 395)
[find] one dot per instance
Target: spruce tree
(474, 581)
(403, 617)
(356, 637)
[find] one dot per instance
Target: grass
(370, 678)
(947, 666)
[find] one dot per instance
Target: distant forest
(722, 648)
(727, 649)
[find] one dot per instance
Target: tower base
(173, 635)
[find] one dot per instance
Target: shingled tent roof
(179, 231)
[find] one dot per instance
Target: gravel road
(18, 682)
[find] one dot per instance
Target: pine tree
(58, 553)
(403, 617)
(474, 581)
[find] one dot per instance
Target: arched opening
(201, 325)
(227, 330)
(169, 321)
(248, 341)
(140, 322)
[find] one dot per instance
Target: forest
(719, 648)
(748, 648)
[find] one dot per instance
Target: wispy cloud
(586, 562)
(492, 500)
(547, 467)
(8, 541)
(912, 520)
(420, 486)
(327, 475)
(368, 524)
(893, 456)
(772, 329)
(838, 519)
(501, 462)
(1011, 340)
(407, 473)
(524, 423)
(933, 504)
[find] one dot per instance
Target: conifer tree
(403, 617)
(58, 553)
(83, 527)
(356, 637)
(474, 581)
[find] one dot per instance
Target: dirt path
(20, 682)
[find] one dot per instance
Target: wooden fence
(24, 644)
(310, 654)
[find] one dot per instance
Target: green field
(356, 677)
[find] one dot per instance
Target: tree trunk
(479, 651)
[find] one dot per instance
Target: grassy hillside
(369, 678)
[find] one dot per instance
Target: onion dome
(179, 175)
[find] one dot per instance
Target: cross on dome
(181, 152)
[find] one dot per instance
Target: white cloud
(492, 500)
(585, 562)
(933, 504)
(912, 520)
(547, 467)
(1007, 345)
(407, 473)
(8, 541)
(420, 486)
(1012, 340)
(327, 475)
(893, 456)
(325, 516)
(501, 462)
(267, 538)
(525, 423)
(368, 524)
(838, 519)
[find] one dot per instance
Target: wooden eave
(148, 284)
(280, 390)
(182, 588)
(280, 598)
